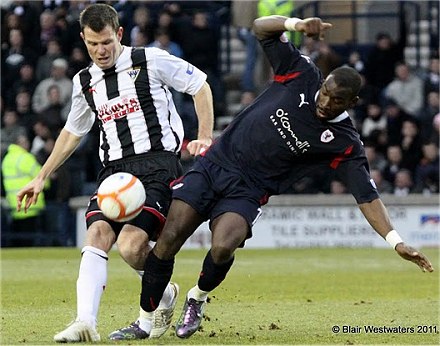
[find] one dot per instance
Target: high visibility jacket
(279, 7)
(19, 167)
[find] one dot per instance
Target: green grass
(287, 296)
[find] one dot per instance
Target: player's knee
(133, 249)
(101, 236)
(221, 254)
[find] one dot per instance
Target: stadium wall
(321, 221)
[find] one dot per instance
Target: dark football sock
(157, 274)
(213, 274)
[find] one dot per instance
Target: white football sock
(145, 319)
(167, 298)
(91, 282)
(197, 294)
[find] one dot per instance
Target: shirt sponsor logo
(327, 136)
(282, 122)
(118, 110)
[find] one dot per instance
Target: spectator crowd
(41, 50)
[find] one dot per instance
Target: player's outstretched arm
(377, 215)
(266, 27)
(65, 145)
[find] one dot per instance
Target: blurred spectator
(199, 42)
(411, 145)
(337, 187)
(48, 29)
(125, 11)
(57, 77)
(427, 171)
(432, 78)
(428, 113)
(394, 162)
(19, 167)
(78, 60)
(403, 183)
(14, 54)
(321, 54)
(24, 110)
(355, 61)
(395, 118)
(54, 114)
(379, 138)
(27, 14)
(375, 160)
(243, 15)
(9, 22)
(367, 95)
(164, 21)
(375, 120)
(163, 41)
(142, 22)
(140, 39)
(42, 134)
(381, 60)
(406, 90)
(11, 130)
(382, 185)
(46, 60)
(24, 81)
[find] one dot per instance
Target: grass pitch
(285, 296)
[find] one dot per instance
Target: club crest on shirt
(134, 73)
(327, 136)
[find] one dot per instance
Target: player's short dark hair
(98, 16)
(348, 77)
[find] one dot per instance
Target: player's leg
(181, 223)
(92, 279)
(133, 246)
(229, 231)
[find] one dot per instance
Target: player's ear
(354, 101)
(120, 33)
(81, 35)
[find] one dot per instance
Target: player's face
(333, 99)
(104, 47)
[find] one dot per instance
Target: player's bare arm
(265, 27)
(377, 215)
(205, 114)
(65, 145)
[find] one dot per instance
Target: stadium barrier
(320, 221)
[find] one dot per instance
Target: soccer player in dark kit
(296, 126)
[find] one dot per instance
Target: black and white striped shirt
(132, 102)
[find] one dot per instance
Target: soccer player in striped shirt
(127, 91)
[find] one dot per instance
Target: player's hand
(29, 194)
(411, 254)
(313, 27)
(198, 146)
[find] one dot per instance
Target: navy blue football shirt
(278, 139)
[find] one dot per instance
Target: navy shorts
(156, 170)
(213, 190)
